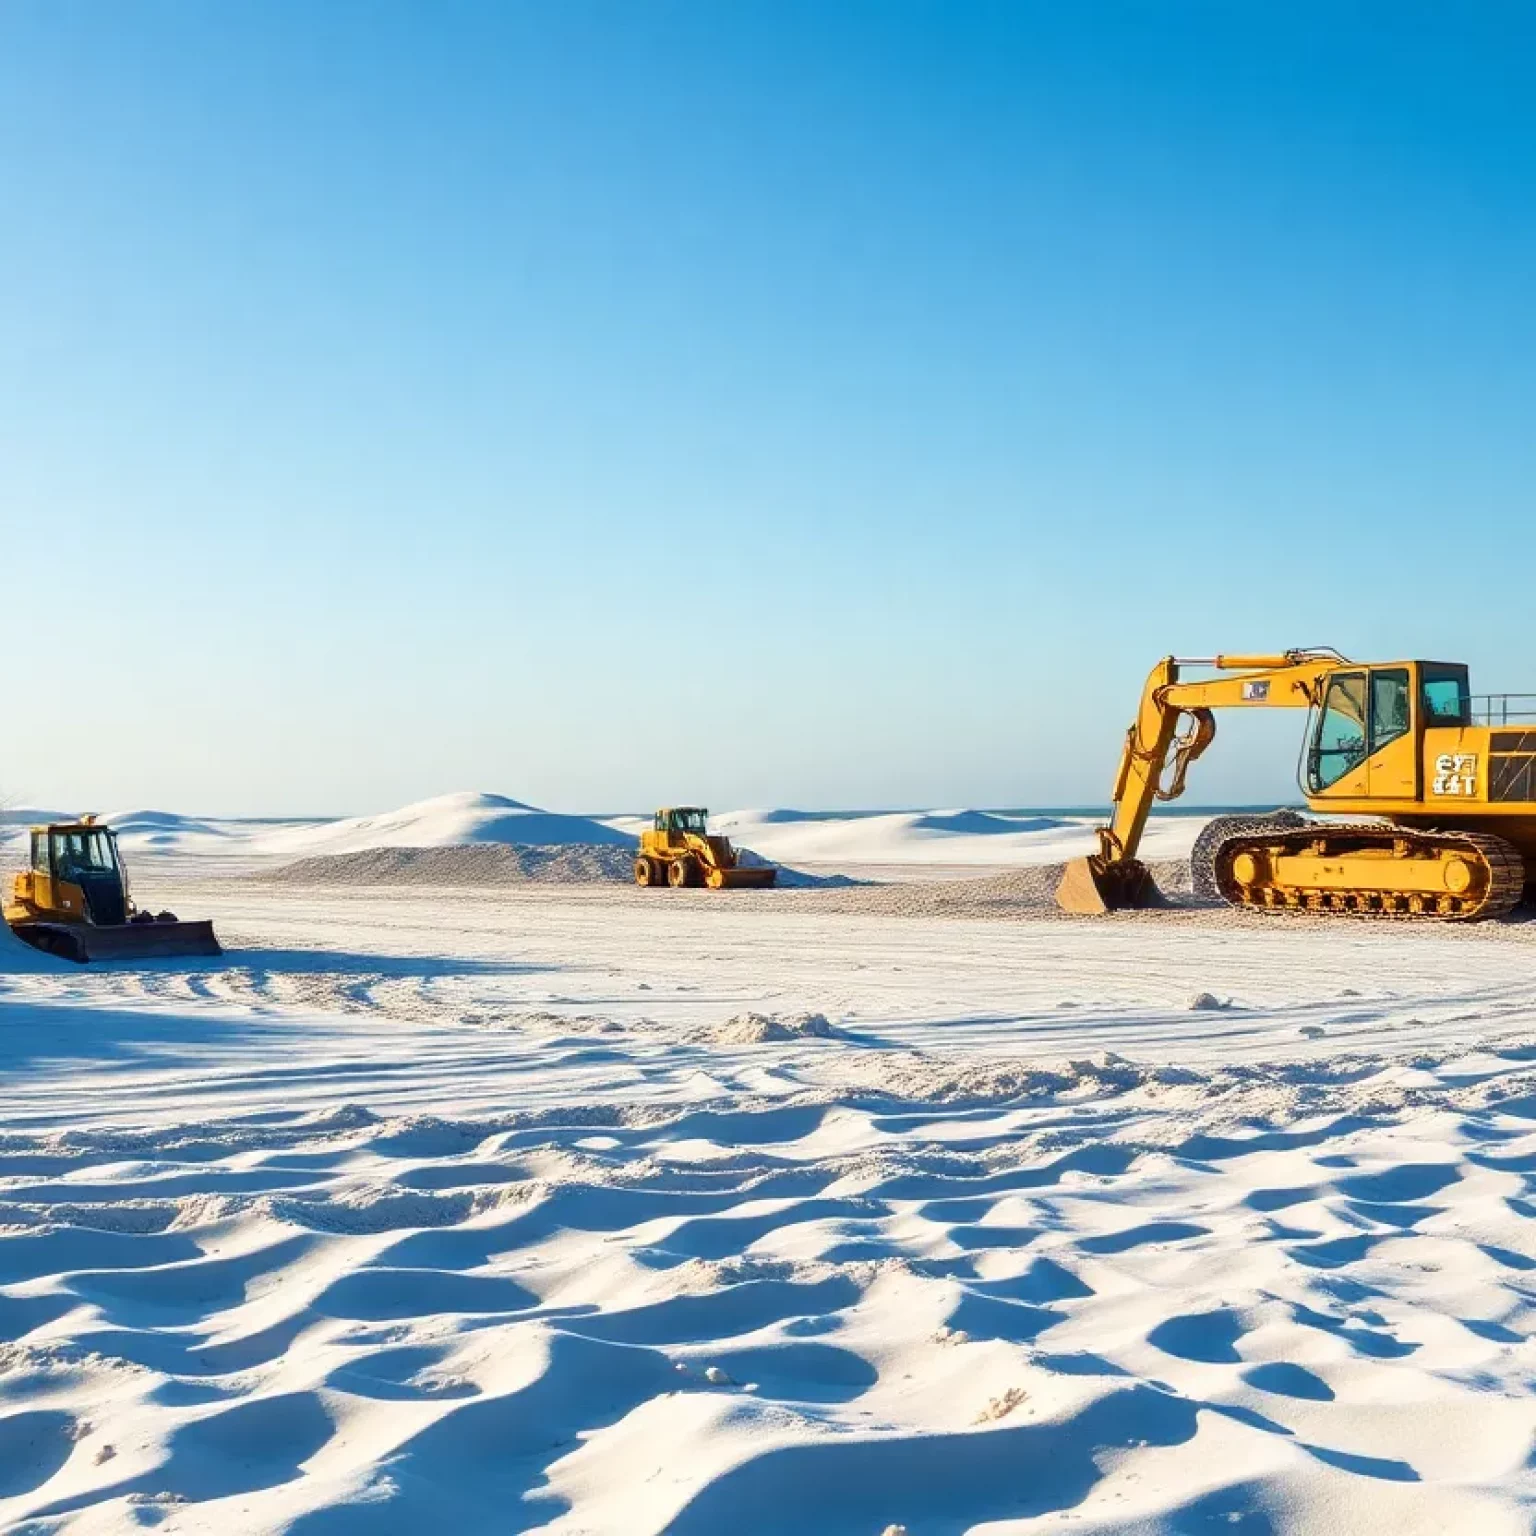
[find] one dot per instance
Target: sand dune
(447, 820)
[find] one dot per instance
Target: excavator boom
(1156, 759)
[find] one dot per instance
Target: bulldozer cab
(84, 856)
(68, 851)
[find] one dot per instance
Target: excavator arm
(1156, 759)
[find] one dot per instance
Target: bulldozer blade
(85, 942)
(1090, 888)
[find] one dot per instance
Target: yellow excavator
(1448, 780)
(73, 901)
(678, 849)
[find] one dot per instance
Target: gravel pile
(464, 864)
(494, 864)
(1031, 890)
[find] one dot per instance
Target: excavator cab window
(40, 860)
(1390, 695)
(689, 821)
(1338, 744)
(1446, 693)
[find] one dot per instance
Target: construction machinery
(678, 849)
(73, 901)
(1446, 779)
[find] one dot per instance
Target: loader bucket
(1090, 887)
(85, 942)
(742, 877)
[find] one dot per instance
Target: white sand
(585, 1209)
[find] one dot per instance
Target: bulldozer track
(1503, 863)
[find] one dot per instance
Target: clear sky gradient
(835, 404)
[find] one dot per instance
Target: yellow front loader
(73, 901)
(678, 849)
(1447, 781)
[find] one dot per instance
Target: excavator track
(1490, 872)
(1202, 860)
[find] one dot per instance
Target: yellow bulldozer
(1446, 779)
(73, 901)
(678, 849)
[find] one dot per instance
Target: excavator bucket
(86, 942)
(1090, 887)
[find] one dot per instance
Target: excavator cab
(1366, 739)
(73, 901)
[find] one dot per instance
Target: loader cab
(1367, 725)
(682, 820)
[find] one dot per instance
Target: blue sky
(759, 403)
